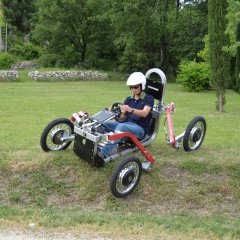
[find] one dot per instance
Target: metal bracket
(146, 166)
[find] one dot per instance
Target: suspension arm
(169, 109)
(116, 136)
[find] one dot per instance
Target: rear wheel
(126, 176)
(194, 134)
(51, 136)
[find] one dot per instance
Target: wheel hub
(127, 177)
(56, 136)
(196, 134)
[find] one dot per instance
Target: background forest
(126, 36)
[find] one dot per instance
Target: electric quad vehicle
(88, 138)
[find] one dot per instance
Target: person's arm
(138, 112)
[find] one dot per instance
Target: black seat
(155, 89)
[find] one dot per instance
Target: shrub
(100, 63)
(27, 51)
(194, 76)
(48, 60)
(6, 60)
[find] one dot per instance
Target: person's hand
(126, 108)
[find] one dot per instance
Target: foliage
(133, 61)
(233, 29)
(74, 31)
(237, 69)
(219, 59)
(1, 14)
(6, 60)
(18, 13)
(156, 32)
(194, 76)
(233, 18)
(144, 34)
(48, 60)
(100, 63)
(204, 54)
(187, 31)
(139, 26)
(27, 51)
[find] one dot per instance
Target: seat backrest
(155, 89)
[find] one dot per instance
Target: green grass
(187, 195)
(181, 223)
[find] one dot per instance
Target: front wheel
(51, 136)
(194, 134)
(126, 176)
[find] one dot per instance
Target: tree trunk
(220, 102)
(178, 5)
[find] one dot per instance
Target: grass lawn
(187, 195)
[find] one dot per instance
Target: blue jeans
(133, 128)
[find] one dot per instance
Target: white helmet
(135, 79)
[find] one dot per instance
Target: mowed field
(187, 195)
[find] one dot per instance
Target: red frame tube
(116, 136)
(169, 109)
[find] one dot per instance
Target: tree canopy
(18, 13)
(1, 14)
(131, 35)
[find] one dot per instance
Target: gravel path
(37, 234)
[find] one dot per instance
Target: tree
(1, 14)
(140, 28)
(67, 27)
(204, 53)
(132, 34)
(233, 29)
(237, 69)
(219, 60)
(187, 32)
(18, 13)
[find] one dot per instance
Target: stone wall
(61, 75)
(54, 75)
(9, 74)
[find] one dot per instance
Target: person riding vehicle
(138, 107)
